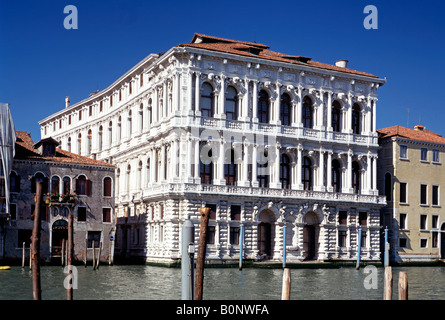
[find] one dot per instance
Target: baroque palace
(265, 139)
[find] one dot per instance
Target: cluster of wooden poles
(66, 254)
(387, 291)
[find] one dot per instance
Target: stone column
(197, 93)
(254, 165)
(299, 166)
(329, 112)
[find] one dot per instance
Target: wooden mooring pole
(285, 293)
(199, 278)
(35, 239)
(62, 254)
(387, 291)
(403, 286)
(69, 261)
(23, 256)
(98, 256)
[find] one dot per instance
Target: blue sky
(41, 62)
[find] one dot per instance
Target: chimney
(418, 127)
(342, 63)
(67, 102)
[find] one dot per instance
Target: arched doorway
(59, 232)
(310, 235)
(442, 241)
(265, 234)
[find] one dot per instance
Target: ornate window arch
(231, 103)
(207, 103)
(285, 109)
(263, 107)
(336, 116)
(307, 113)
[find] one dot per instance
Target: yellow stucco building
(410, 170)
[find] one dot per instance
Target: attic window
(297, 58)
(49, 150)
(252, 50)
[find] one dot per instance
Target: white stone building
(297, 140)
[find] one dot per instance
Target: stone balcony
(171, 189)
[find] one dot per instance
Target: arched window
(206, 166)
(207, 100)
(355, 125)
(147, 172)
(285, 172)
(336, 116)
(55, 185)
(89, 141)
(231, 104)
(66, 187)
(107, 187)
(262, 167)
(79, 144)
(141, 117)
(128, 178)
(306, 174)
(230, 168)
(119, 129)
(39, 177)
(356, 177)
(388, 186)
(14, 179)
(150, 112)
(336, 176)
(110, 133)
(285, 110)
(69, 144)
(263, 107)
(129, 124)
(307, 113)
(83, 186)
(101, 134)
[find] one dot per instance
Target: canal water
(136, 282)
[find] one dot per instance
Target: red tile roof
(258, 50)
(418, 133)
(24, 150)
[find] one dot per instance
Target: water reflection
(156, 283)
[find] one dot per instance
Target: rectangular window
(435, 222)
(423, 194)
(423, 221)
(106, 214)
(235, 212)
(403, 152)
(423, 243)
(211, 235)
(434, 239)
(81, 214)
(363, 240)
(402, 221)
(93, 236)
(234, 235)
(423, 154)
(436, 155)
(403, 186)
(403, 242)
(212, 215)
(435, 197)
(23, 236)
(13, 211)
(342, 217)
(341, 238)
(363, 218)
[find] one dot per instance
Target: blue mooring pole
(386, 257)
(187, 261)
(284, 245)
(241, 243)
(357, 266)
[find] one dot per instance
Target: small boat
(5, 267)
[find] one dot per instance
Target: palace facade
(265, 139)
